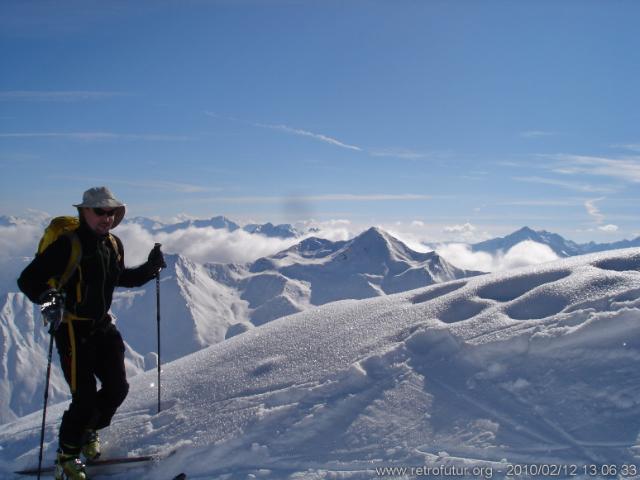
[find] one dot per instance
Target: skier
(88, 343)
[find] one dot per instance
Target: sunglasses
(109, 213)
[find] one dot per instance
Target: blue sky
(460, 117)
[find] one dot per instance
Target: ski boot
(69, 467)
(91, 445)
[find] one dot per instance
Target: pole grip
(156, 246)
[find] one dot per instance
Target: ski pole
(158, 324)
(52, 311)
(157, 245)
(46, 400)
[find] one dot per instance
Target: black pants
(87, 353)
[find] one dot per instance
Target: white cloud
(305, 133)
(521, 255)
(200, 244)
(635, 147)
(580, 187)
(19, 240)
(626, 169)
(594, 211)
(609, 228)
(544, 203)
(461, 255)
(462, 233)
(526, 253)
(287, 129)
(466, 228)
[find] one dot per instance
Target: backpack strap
(74, 260)
(114, 244)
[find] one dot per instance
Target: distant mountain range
(561, 246)
(219, 223)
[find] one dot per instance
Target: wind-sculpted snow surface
(534, 366)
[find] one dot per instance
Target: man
(88, 342)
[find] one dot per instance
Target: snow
(533, 366)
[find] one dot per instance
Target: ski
(95, 463)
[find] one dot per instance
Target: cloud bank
(18, 244)
(203, 245)
(521, 255)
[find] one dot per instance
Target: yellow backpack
(57, 227)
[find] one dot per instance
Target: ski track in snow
(536, 365)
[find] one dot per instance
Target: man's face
(100, 220)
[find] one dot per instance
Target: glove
(156, 259)
(52, 308)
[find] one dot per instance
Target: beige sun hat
(102, 197)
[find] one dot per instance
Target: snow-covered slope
(195, 311)
(24, 346)
(533, 366)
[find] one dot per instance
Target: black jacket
(100, 269)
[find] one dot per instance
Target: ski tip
(181, 476)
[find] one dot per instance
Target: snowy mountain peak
(525, 232)
(374, 234)
(375, 246)
(372, 240)
(561, 246)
